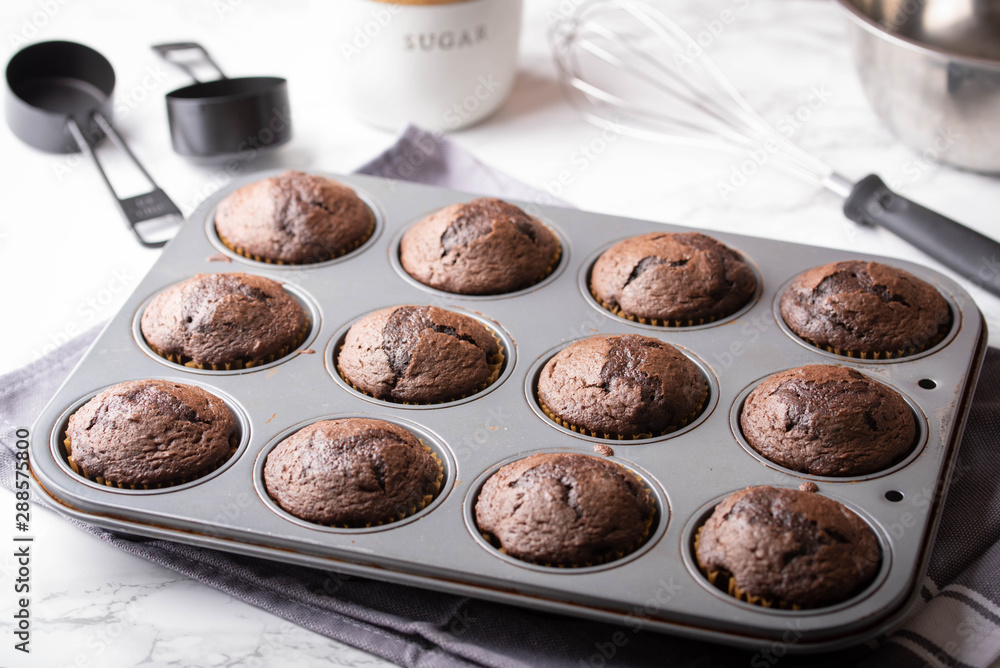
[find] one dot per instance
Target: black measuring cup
(225, 117)
(59, 99)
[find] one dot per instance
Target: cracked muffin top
(625, 385)
(865, 307)
(150, 432)
(294, 218)
(218, 319)
(677, 277)
(418, 354)
(789, 546)
(828, 420)
(485, 247)
(565, 509)
(351, 472)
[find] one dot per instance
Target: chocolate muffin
(565, 509)
(677, 279)
(865, 309)
(621, 386)
(294, 218)
(485, 247)
(419, 354)
(828, 420)
(223, 321)
(787, 548)
(150, 433)
(352, 472)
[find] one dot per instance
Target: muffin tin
(658, 587)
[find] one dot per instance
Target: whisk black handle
(965, 251)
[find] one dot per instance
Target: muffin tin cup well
(701, 516)
(305, 300)
(427, 438)
(919, 419)
(442, 296)
(57, 447)
(378, 224)
(583, 282)
(956, 325)
(506, 369)
(708, 407)
(658, 528)
(652, 588)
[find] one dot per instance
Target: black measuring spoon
(59, 99)
(225, 117)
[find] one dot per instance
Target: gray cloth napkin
(956, 623)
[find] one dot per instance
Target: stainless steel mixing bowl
(931, 69)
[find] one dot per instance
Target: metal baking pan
(657, 587)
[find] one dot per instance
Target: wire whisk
(630, 68)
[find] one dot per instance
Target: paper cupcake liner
(656, 322)
(234, 442)
(601, 559)
(886, 354)
(495, 364)
(882, 355)
(554, 262)
(549, 413)
(724, 581)
(183, 360)
(430, 493)
(353, 246)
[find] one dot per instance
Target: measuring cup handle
(970, 254)
(166, 49)
(139, 208)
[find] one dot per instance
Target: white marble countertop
(68, 261)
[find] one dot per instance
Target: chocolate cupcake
(294, 218)
(485, 247)
(565, 509)
(829, 421)
(626, 386)
(353, 472)
(865, 309)
(787, 548)
(419, 354)
(672, 279)
(150, 433)
(224, 321)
